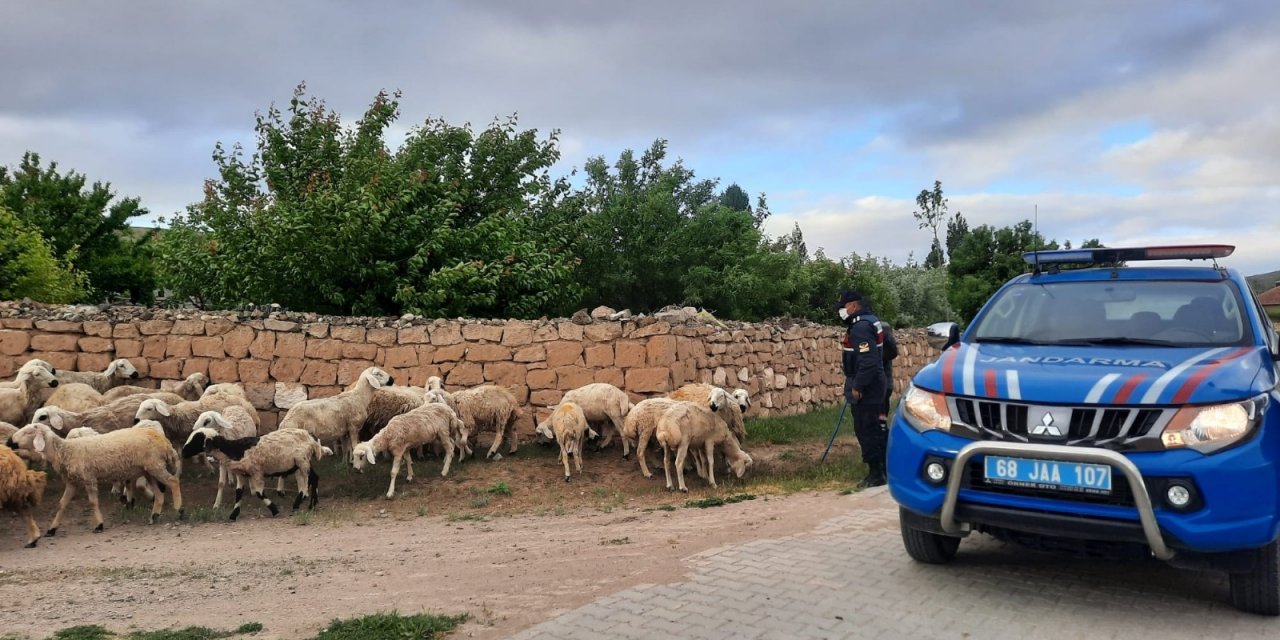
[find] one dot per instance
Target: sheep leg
(448, 454)
(33, 530)
(91, 493)
(666, 463)
(395, 471)
(157, 501)
(222, 482)
(142, 483)
(626, 447)
(497, 442)
(641, 445)
(235, 511)
(161, 475)
(564, 458)
(353, 439)
(67, 494)
(609, 433)
(681, 455)
(280, 486)
(577, 454)
(408, 461)
(301, 477)
(255, 485)
(313, 488)
(513, 443)
(711, 462)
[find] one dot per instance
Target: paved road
(850, 578)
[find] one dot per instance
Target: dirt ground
(507, 542)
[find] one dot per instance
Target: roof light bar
(1129, 254)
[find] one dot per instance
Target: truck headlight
(1209, 428)
(925, 410)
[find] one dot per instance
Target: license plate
(1073, 477)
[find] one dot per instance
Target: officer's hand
(857, 396)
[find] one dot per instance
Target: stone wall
(282, 358)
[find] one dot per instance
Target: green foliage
(932, 214)
(499, 488)
(984, 259)
(82, 632)
(921, 294)
(28, 267)
(82, 227)
(328, 218)
(391, 626)
(735, 198)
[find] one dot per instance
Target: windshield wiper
(1137, 341)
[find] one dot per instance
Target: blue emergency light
(1129, 254)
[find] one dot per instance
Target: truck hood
(1109, 375)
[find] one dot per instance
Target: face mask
(844, 313)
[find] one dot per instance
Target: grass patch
(389, 626)
(840, 470)
(499, 488)
(465, 517)
(479, 502)
(82, 632)
(98, 632)
(815, 425)
(717, 501)
(301, 518)
(615, 541)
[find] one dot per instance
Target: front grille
(1116, 428)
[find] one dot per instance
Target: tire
(925, 546)
(1259, 590)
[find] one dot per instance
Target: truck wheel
(925, 546)
(1259, 590)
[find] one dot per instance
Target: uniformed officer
(864, 381)
(889, 352)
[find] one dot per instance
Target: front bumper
(1238, 488)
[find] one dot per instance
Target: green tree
(985, 259)
(329, 218)
(921, 294)
(735, 198)
(932, 214)
(29, 268)
(84, 225)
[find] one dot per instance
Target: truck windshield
(1170, 313)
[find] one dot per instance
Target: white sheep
(119, 456)
(124, 490)
(338, 418)
(700, 393)
(568, 426)
(112, 416)
(687, 424)
(603, 404)
(282, 452)
(21, 401)
(429, 424)
(20, 491)
(487, 406)
(638, 428)
(232, 423)
(74, 396)
(223, 387)
(189, 389)
(434, 383)
(119, 372)
(178, 419)
(33, 363)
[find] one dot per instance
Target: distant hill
(1263, 281)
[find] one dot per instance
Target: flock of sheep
(96, 429)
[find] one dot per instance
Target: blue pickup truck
(1122, 406)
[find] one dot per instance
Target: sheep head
(212, 420)
(544, 430)
(434, 383)
(38, 376)
(740, 463)
(198, 381)
(744, 400)
(55, 417)
(123, 369)
(361, 454)
(152, 409)
(34, 437)
(377, 378)
(719, 398)
(194, 445)
(36, 363)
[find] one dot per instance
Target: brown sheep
(429, 424)
(487, 406)
(20, 491)
(638, 428)
(568, 426)
(190, 389)
(687, 424)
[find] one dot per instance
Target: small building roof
(1270, 297)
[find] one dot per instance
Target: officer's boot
(875, 476)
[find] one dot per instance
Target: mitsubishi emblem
(1046, 427)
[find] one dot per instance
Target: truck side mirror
(941, 335)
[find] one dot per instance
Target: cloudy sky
(1134, 122)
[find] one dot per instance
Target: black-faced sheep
(20, 491)
(429, 424)
(119, 456)
(232, 423)
(568, 426)
(338, 419)
(485, 407)
(282, 452)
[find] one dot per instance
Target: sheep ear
(38, 443)
(369, 455)
(163, 409)
(55, 421)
